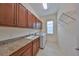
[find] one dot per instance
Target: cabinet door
(34, 47)
(21, 16)
(38, 44)
(33, 21)
(29, 19)
(26, 17)
(39, 24)
(28, 52)
(7, 11)
(40, 27)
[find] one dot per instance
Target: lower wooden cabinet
(30, 49)
(28, 52)
(36, 46)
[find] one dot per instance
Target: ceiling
(38, 8)
(52, 8)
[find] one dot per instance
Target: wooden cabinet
(30, 49)
(21, 16)
(24, 51)
(29, 19)
(16, 15)
(38, 24)
(28, 52)
(7, 15)
(33, 21)
(36, 46)
(13, 14)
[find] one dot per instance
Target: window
(50, 27)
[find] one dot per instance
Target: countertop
(12, 46)
(7, 33)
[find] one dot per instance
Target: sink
(30, 37)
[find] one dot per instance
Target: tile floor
(51, 49)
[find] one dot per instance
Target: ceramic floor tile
(51, 49)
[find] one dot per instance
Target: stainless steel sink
(30, 37)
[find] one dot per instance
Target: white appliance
(42, 40)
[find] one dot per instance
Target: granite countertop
(7, 33)
(12, 46)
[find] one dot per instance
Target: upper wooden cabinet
(7, 11)
(33, 22)
(15, 14)
(22, 16)
(40, 27)
(38, 24)
(30, 19)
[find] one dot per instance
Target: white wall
(65, 7)
(67, 39)
(67, 34)
(77, 27)
(68, 31)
